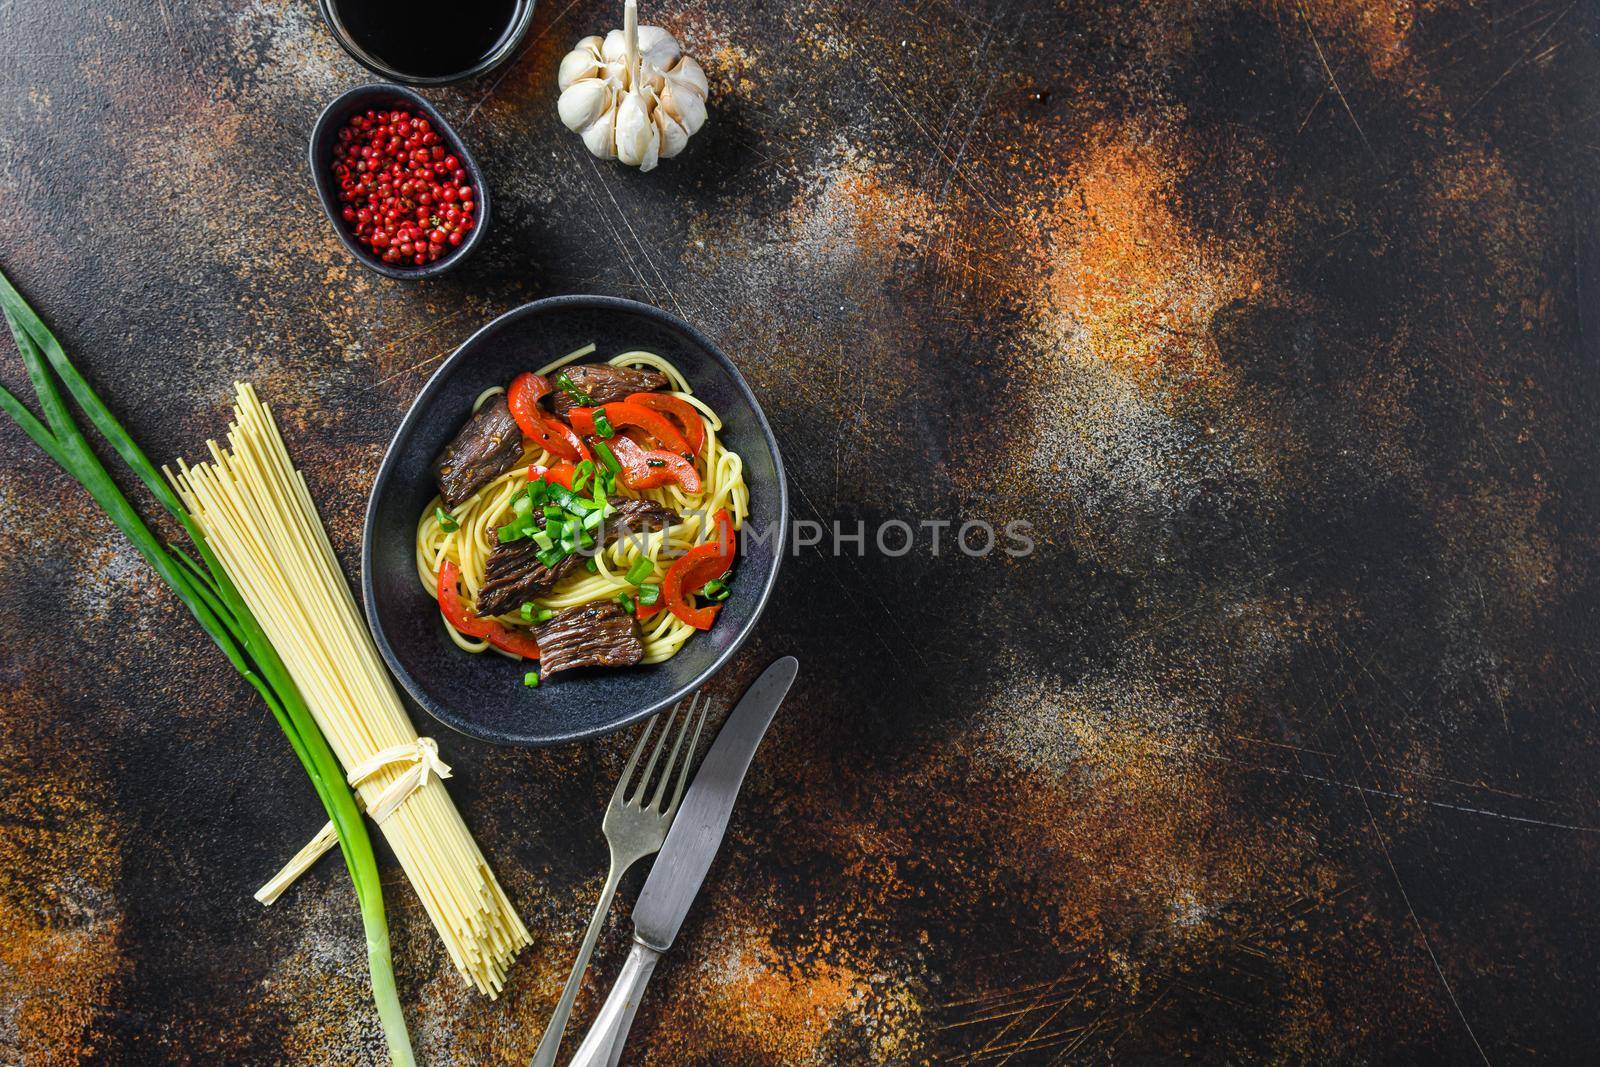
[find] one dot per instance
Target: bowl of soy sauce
(418, 43)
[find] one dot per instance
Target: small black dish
(326, 132)
(345, 17)
(483, 696)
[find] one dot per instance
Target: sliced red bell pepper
(625, 414)
(676, 597)
(692, 570)
(683, 414)
(559, 440)
(647, 469)
(714, 566)
(523, 397)
(553, 435)
(561, 473)
(505, 638)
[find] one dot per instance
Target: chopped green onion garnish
(649, 594)
(565, 384)
(521, 504)
(640, 570)
(545, 615)
(627, 603)
(602, 425)
(527, 611)
(551, 556)
(447, 522)
(593, 519)
(715, 589)
(531, 679)
(511, 531)
(591, 565)
(607, 457)
(543, 540)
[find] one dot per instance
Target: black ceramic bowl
(483, 695)
(503, 49)
(326, 132)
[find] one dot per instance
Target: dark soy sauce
(428, 40)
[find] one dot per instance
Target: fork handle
(550, 1043)
(602, 1046)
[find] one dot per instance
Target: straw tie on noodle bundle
(422, 754)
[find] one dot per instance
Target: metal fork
(633, 831)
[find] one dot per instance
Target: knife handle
(602, 1045)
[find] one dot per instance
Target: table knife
(681, 867)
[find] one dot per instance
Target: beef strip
(513, 573)
(600, 634)
(487, 446)
(604, 384)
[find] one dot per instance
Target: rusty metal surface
(1274, 317)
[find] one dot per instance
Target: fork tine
(683, 772)
(633, 760)
(655, 754)
(672, 760)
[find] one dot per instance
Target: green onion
(551, 556)
(649, 594)
(545, 615)
(602, 425)
(715, 589)
(543, 540)
(640, 570)
(591, 565)
(593, 520)
(627, 603)
(531, 679)
(216, 605)
(446, 522)
(521, 504)
(607, 457)
(527, 611)
(565, 384)
(511, 531)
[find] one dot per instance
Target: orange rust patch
(1121, 276)
(59, 867)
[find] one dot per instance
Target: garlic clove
(685, 107)
(658, 49)
(601, 137)
(673, 136)
(689, 74)
(583, 102)
(638, 140)
(582, 62)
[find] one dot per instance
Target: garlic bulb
(634, 96)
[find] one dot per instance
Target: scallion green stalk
(216, 604)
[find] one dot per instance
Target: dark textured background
(1275, 317)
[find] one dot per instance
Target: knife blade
(697, 830)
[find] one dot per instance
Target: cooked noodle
(479, 518)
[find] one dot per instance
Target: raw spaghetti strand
(258, 517)
(478, 519)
